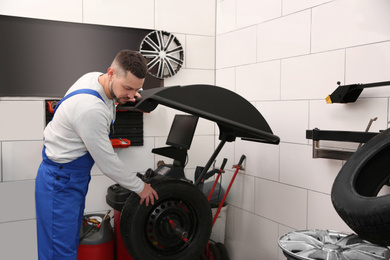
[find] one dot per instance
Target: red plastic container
(96, 243)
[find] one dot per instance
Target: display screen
(42, 58)
(182, 131)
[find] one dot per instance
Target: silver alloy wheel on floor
(163, 52)
(329, 245)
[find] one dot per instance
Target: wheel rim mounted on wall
(163, 53)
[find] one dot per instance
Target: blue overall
(60, 190)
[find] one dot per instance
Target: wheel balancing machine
(179, 224)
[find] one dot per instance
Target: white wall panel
(200, 52)
(133, 14)
(368, 64)
(250, 12)
(70, 10)
(262, 160)
(282, 203)
(298, 168)
(18, 240)
(349, 117)
(254, 236)
(17, 201)
(236, 48)
(226, 78)
(97, 191)
(284, 37)
(287, 119)
(226, 16)
(242, 192)
(137, 158)
(202, 148)
(21, 120)
(260, 81)
(292, 6)
(322, 215)
(21, 160)
(190, 77)
(192, 17)
(340, 24)
(312, 76)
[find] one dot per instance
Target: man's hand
(148, 194)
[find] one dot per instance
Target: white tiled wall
(289, 57)
(284, 56)
(22, 119)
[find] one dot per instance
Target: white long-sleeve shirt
(81, 124)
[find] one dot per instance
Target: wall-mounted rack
(350, 93)
(343, 136)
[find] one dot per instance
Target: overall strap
(79, 91)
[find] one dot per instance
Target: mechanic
(78, 136)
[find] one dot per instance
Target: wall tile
(134, 14)
(365, 22)
(322, 215)
(137, 158)
(21, 120)
(202, 148)
(349, 117)
(226, 16)
(284, 37)
(254, 236)
(260, 81)
(226, 78)
(287, 119)
(18, 240)
(241, 42)
(21, 160)
(97, 191)
(282, 203)
(190, 77)
(368, 64)
(17, 200)
(292, 6)
(262, 160)
(200, 52)
(312, 76)
(183, 16)
(159, 121)
(242, 192)
(250, 12)
(298, 168)
(44, 9)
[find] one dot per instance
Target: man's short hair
(132, 61)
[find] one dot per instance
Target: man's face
(125, 88)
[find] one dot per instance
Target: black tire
(355, 189)
(147, 233)
(214, 252)
(202, 257)
(222, 251)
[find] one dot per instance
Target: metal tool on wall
(350, 93)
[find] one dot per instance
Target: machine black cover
(235, 116)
